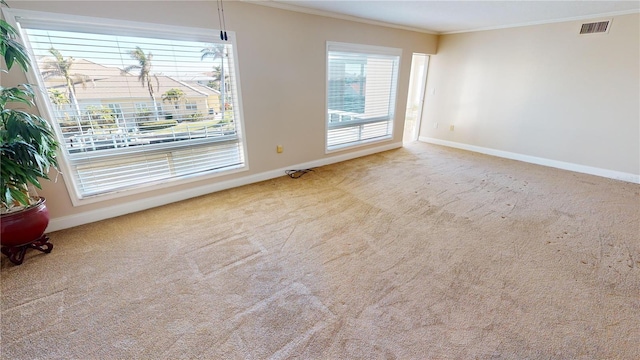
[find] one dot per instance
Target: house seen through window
(137, 106)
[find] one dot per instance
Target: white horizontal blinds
(153, 167)
(134, 108)
(361, 93)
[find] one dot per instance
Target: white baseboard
(86, 217)
(612, 174)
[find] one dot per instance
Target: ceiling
(458, 16)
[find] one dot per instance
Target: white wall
(543, 92)
(281, 57)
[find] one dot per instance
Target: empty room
(320, 179)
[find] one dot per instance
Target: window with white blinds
(361, 93)
(136, 105)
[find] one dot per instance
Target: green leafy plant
(174, 96)
(12, 50)
(28, 148)
(101, 117)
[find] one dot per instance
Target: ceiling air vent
(595, 27)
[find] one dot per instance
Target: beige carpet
(417, 253)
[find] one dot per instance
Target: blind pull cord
(221, 21)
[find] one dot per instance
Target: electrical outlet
(435, 125)
(279, 149)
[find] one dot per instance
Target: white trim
(423, 94)
(126, 208)
(333, 15)
(611, 174)
(544, 22)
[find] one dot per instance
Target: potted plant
(27, 154)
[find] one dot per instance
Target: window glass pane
(361, 92)
(133, 111)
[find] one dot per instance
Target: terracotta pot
(25, 229)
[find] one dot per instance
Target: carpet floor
(423, 252)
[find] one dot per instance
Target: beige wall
(541, 91)
(281, 56)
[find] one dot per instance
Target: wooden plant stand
(16, 253)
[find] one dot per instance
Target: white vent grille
(595, 27)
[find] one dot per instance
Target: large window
(136, 105)
(361, 93)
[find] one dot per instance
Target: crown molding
(543, 22)
(300, 9)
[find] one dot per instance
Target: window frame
(334, 46)
(98, 25)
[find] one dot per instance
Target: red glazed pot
(25, 226)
